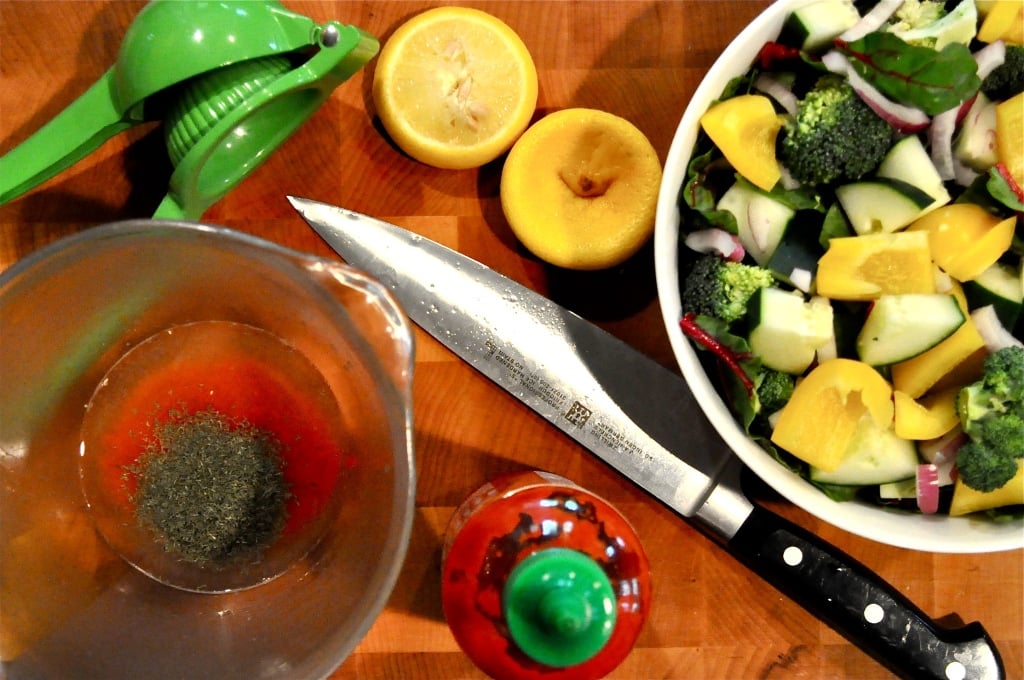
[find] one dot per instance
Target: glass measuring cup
(69, 312)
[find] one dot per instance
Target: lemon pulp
(454, 87)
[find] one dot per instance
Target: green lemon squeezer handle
(74, 133)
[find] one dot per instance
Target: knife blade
(642, 420)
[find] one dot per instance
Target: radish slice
(715, 240)
(777, 91)
(903, 118)
(871, 21)
(991, 329)
(989, 57)
(940, 137)
(928, 488)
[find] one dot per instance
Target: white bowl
(906, 530)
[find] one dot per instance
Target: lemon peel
(580, 187)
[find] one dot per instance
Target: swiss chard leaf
(1001, 190)
(835, 225)
(933, 81)
(697, 192)
(837, 492)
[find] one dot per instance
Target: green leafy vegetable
(913, 75)
(999, 187)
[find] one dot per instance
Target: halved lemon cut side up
(455, 87)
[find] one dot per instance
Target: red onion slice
(991, 329)
(940, 138)
(963, 174)
(989, 57)
(801, 279)
(715, 240)
(871, 21)
(777, 91)
(942, 450)
(903, 118)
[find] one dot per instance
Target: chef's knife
(642, 419)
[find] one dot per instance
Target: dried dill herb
(212, 489)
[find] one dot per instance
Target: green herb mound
(834, 135)
(212, 490)
(721, 288)
(992, 414)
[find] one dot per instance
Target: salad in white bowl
(839, 251)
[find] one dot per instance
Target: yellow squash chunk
(964, 373)
(744, 128)
(967, 500)
(916, 376)
(965, 239)
(821, 417)
(932, 417)
(984, 252)
(865, 267)
(1010, 134)
(1004, 20)
(969, 369)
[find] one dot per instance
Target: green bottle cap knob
(559, 607)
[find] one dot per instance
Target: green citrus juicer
(231, 80)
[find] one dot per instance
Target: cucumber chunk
(1000, 286)
(908, 161)
(761, 221)
(899, 327)
(975, 144)
(875, 455)
(786, 331)
(882, 205)
(899, 490)
(815, 26)
(800, 246)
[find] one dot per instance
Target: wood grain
(640, 59)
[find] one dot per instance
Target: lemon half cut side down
(580, 188)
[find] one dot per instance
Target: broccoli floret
(773, 390)
(917, 13)
(834, 135)
(926, 23)
(992, 414)
(721, 288)
(1007, 79)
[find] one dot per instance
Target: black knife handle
(861, 606)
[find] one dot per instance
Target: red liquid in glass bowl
(244, 375)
